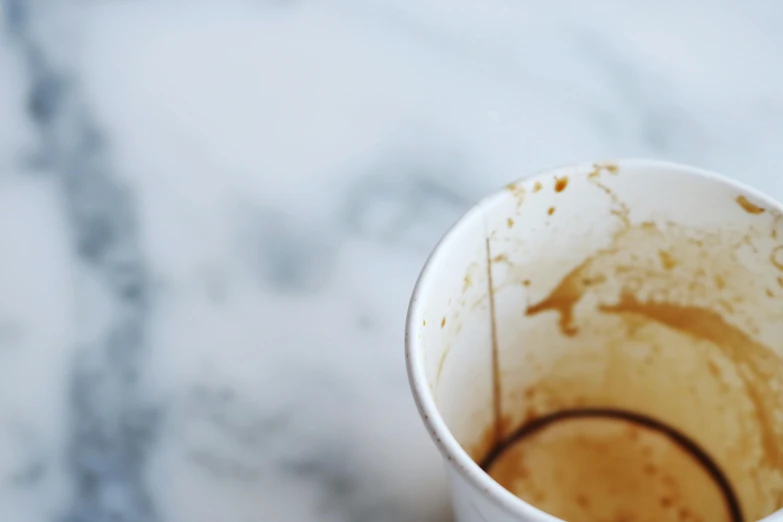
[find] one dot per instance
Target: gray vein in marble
(289, 256)
(112, 423)
(644, 103)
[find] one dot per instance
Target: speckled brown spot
(667, 260)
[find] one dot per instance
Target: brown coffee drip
(637, 425)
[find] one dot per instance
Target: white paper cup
(630, 287)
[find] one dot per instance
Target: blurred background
(212, 215)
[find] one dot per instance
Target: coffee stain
(497, 396)
(777, 226)
(517, 190)
(487, 441)
(443, 322)
(776, 257)
(510, 223)
(749, 207)
(466, 283)
(537, 186)
(441, 362)
(676, 270)
(592, 461)
(500, 258)
(758, 366)
(762, 365)
(551, 210)
(611, 168)
(561, 184)
(564, 298)
(667, 260)
(621, 210)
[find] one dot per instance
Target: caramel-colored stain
(518, 191)
(667, 260)
(602, 469)
(761, 364)
(510, 223)
(443, 322)
(598, 167)
(652, 302)
(486, 442)
(776, 258)
(551, 211)
(561, 184)
(441, 362)
(760, 361)
(757, 366)
(749, 207)
(537, 186)
(564, 298)
(466, 283)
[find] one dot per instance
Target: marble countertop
(212, 216)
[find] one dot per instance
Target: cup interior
(633, 286)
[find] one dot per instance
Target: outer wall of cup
(475, 496)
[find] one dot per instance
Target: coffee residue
(667, 260)
(749, 207)
(684, 286)
(761, 365)
(776, 258)
(564, 298)
(518, 190)
(761, 362)
(590, 465)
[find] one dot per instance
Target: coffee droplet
(750, 208)
(561, 184)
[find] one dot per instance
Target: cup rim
(447, 444)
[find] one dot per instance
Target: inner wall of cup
(633, 287)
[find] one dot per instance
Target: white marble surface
(212, 215)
